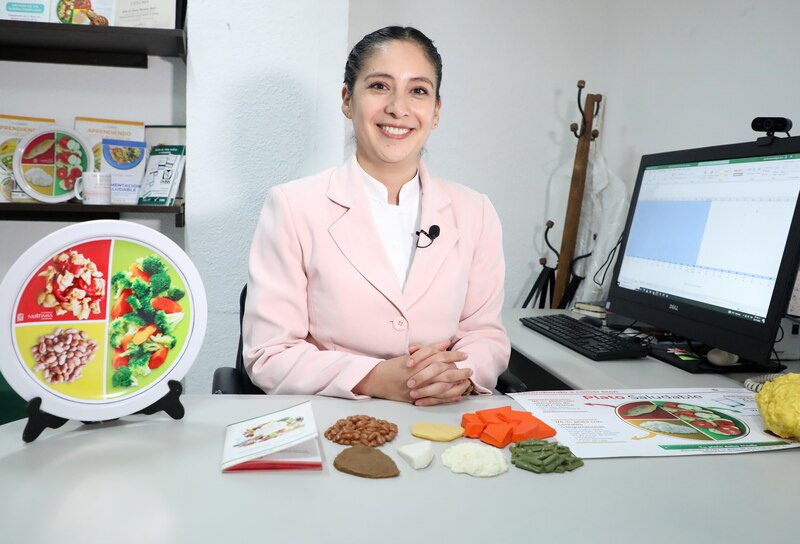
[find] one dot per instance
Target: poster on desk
(96, 317)
(653, 422)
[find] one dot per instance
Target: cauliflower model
(779, 405)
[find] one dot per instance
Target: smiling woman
(340, 301)
(391, 92)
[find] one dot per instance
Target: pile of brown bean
(361, 429)
(61, 356)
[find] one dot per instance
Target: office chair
(235, 380)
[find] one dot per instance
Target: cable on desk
(757, 382)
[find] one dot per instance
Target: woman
(351, 291)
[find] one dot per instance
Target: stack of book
(592, 309)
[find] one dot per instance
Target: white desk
(580, 372)
(154, 480)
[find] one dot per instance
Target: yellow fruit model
(779, 405)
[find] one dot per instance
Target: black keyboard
(584, 338)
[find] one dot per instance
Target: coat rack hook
(574, 126)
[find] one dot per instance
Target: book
(591, 313)
(591, 306)
(96, 130)
(162, 175)
(284, 440)
(125, 160)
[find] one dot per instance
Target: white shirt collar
(395, 225)
(377, 191)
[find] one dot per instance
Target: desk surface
(152, 479)
(581, 372)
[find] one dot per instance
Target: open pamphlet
(283, 440)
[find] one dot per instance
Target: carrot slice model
(493, 415)
(497, 435)
(514, 417)
(532, 428)
(498, 410)
(473, 425)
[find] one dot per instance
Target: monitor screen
(711, 245)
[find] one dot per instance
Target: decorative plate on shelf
(48, 162)
(97, 317)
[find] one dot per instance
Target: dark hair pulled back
(369, 43)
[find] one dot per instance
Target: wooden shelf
(88, 45)
(75, 211)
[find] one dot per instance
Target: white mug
(95, 186)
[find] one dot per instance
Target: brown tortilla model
(366, 462)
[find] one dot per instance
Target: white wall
(262, 108)
(685, 74)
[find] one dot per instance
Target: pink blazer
(324, 305)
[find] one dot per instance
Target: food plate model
(48, 161)
(681, 420)
(97, 317)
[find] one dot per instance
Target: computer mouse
(596, 321)
(717, 357)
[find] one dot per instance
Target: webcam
(771, 125)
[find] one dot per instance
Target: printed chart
(653, 422)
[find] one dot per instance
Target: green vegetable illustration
(144, 315)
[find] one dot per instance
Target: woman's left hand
(438, 380)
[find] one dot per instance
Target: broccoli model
(123, 378)
(144, 316)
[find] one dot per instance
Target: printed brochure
(283, 440)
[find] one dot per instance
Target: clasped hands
(426, 376)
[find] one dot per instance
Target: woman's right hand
(430, 368)
(387, 380)
(437, 379)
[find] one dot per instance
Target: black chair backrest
(248, 388)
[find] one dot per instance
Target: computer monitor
(711, 245)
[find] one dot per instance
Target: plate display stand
(39, 420)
